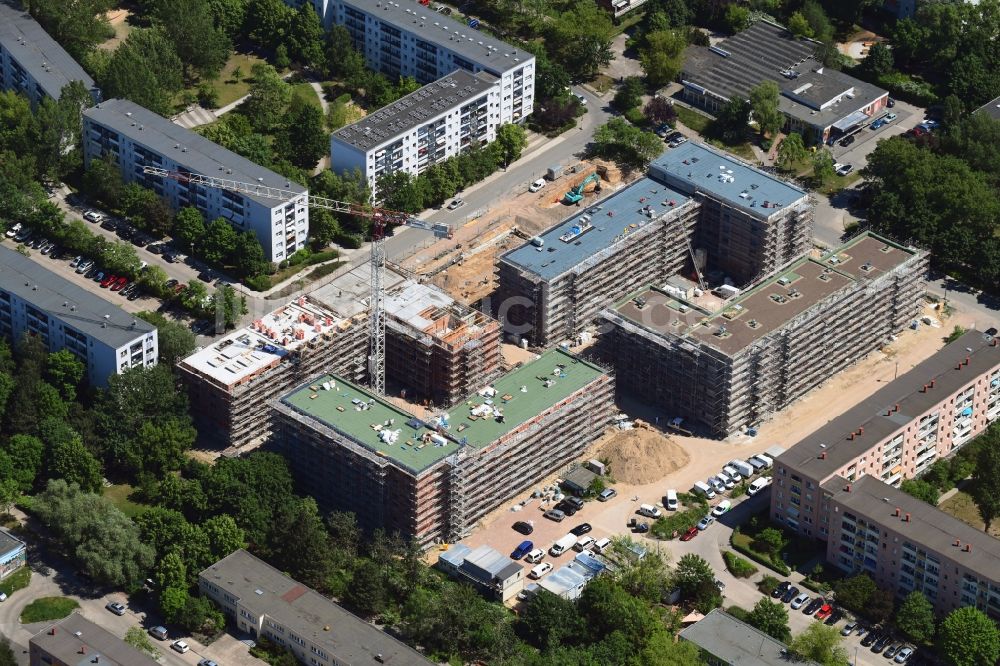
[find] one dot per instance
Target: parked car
(75, 261)
(540, 570)
(537, 185)
(903, 655)
(607, 494)
(705, 522)
(891, 651)
(847, 140)
(119, 283)
(845, 169)
(813, 606)
(727, 481)
(535, 556)
(800, 601)
(169, 257)
(209, 662)
(691, 533)
(877, 123)
(522, 549)
(581, 529)
(872, 636)
(836, 616)
(116, 607)
(522, 527)
(825, 611)
(180, 646)
(84, 266)
(849, 628)
(882, 643)
(456, 203)
(649, 511)
(863, 629)
(722, 507)
(889, 117)
(93, 216)
(108, 280)
(780, 590)
(135, 293)
(890, 102)
(555, 514)
(567, 509)
(758, 485)
(670, 500)
(641, 528)
(13, 230)
(158, 632)
(581, 99)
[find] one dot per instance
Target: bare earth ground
(118, 19)
(640, 455)
(962, 507)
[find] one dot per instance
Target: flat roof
(770, 304)
(410, 16)
(432, 312)
(42, 57)
(991, 108)
(602, 225)
(266, 342)
(192, 151)
(929, 527)
(407, 441)
(419, 107)
(696, 167)
(735, 642)
(344, 636)
(907, 392)
(77, 640)
(9, 542)
(349, 293)
(69, 302)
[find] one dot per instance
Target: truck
(743, 467)
(562, 545)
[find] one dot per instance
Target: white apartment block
(135, 137)
(33, 63)
(35, 301)
(441, 120)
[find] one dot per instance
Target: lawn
(602, 83)
(46, 609)
(696, 121)
(306, 93)
(962, 507)
(833, 185)
(16, 581)
(119, 496)
(226, 86)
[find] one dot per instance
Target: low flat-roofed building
(726, 641)
(569, 580)
(75, 641)
(898, 432)
(33, 63)
(434, 478)
(492, 573)
(821, 102)
(728, 363)
(64, 315)
(905, 544)
(268, 604)
(13, 553)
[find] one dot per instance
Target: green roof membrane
(407, 441)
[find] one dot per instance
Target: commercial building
(75, 640)
(13, 553)
(35, 301)
(924, 415)
(819, 102)
(494, 574)
(444, 118)
(407, 38)
(134, 137)
(726, 641)
(696, 205)
(433, 479)
(729, 359)
(268, 604)
(33, 63)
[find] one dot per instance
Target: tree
(171, 572)
(662, 650)
(771, 618)
(969, 638)
(732, 119)
(854, 593)
(662, 56)
(580, 39)
(219, 242)
(691, 572)
(737, 18)
(769, 540)
(26, 454)
(6, 653)
(823, 165)
(189, 227)
(306, 38)
(821, 643)
(104, 181)
(342, 60)
(301, 545)
(172, 602)
(659, 110)
(200, 615)
(549, 621)
(120, 259)
(607, 608)
(269, 96)
(915, 617)
(139, 639)
(69, 459)
(510, 140)
(799, 26)
(879, 60)
(144, 69)
(986, 481)
(324, 227)
(77, 26)
(791, 152)
(764, 106)
(224, 536)
(400, 191)
(65, 372)
(269, 22)
(822, 29)
(626, 144)
(629, 94)
(304, 137)
(921, 490)
(198, 42)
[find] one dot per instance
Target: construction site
(432, 479)
(725, 361)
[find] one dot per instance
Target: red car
(108, 279)
(824, 612)
(118, 284)
(178, 288)
(690, 534)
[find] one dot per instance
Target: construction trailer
(697, 209)
(433, 479)
(733, 365)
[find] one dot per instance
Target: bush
(739, 490)
(323, 271)
(635, 116)
(905, 87)
(676, 523)
(350, 241)
(741, 543)
(740, 614)
(767, 584)
(738, 566)
(258, 282)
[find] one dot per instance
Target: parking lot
(856, 154)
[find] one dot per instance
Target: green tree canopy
(921, 490)
(510, 141)
(78, 26)
(915, 617)
(771, 618)
(764, 106)
(791, 151)
(200, 44)
(821, 643)
(219, 242)
(580, 38)
(662, 56)
(968, 638)
(144, 69)
(626, 144)
(986, 479)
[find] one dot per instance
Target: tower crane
(381, 218)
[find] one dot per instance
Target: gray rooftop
(9, 542)
(345, 637)
(695, 167)
(76, 640)
(734, 642)
(419, 107)
(991, 108)
(610, 220)
(192, 151)
(907, 392)
(928, 526)
(410, 16)
(59, 298)
(767, 51)
(40, 55)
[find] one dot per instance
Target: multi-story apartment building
(433, 478)
(13, 553)
(729, 363)
(738, 222)
(134, 137)
(905, 544)
(409, 39)
(36, 301)
(441, 120)
(897, 433)
(33, 63)
(266, 603)
(76, 640)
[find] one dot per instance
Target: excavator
(575, 195)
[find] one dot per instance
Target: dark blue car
(521, 550)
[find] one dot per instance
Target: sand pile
(640, 456)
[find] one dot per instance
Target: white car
(800, 601)
(540, 570)
(13, 230)
(537, 185)
(581, 98)
(844, 169)
(180, 646)
(93, 216)
(721, 508)
(758, 485)
(903, 655)
(649, 511)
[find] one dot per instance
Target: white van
(704, 489)
(743, 467)
(671, 502)
(731, 472)
(766, 459)
(759, 485)
(584, 543)
(728, 481)
(599, 546)
(649, 511)
(717, 485)
(561, 546)
(535, 556)
(758, 465)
